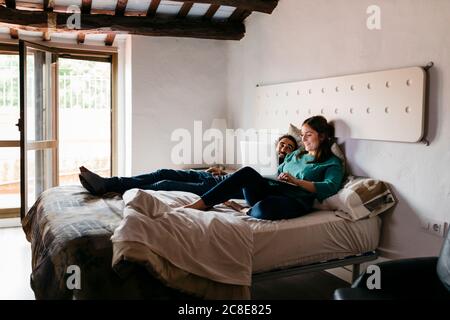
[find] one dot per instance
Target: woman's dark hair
(288, 136)
(326, 133)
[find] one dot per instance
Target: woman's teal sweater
(327, 177)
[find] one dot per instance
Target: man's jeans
(198, 182)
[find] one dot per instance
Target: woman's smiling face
(310, 138)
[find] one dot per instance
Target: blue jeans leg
(198, 188)
(276, 208)
(122, 184)
(245, 179)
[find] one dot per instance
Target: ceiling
(78, 19)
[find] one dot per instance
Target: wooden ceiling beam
(14, 33)
(211, 12)
(266, 6)
(110, 39)
(81, 36)
(48, 5)
(86, 6)
(171, 27)
(27, 28)
(10, 4)
(236, 14)
(239, 14)
(154, 4)
(121, 6)
(185, 8)
(46, 36)
(245, 14)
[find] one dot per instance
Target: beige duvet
(213, 254)
(208, 254)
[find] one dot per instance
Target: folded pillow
(337, 151)
(296, 133)
(359, 198)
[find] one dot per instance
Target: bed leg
(355, 273)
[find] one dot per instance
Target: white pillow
(359, 198)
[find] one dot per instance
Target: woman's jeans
(265, 199)
(194, 181)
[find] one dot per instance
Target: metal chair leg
(355, 272)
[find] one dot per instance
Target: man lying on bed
(193, 181)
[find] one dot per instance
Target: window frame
(80, 52)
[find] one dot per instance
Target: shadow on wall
(341, 129)
(402, 231)
(432, 115)
(351, 146)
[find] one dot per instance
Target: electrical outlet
(435, 227)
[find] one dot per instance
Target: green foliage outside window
(82, 84)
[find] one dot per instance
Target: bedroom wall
(308, 39)
(175, 81)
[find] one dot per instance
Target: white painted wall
(308, 39)
(175, 81)
(123, 44)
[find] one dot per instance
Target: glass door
(37, 123)
(9, 136)
(84, 102)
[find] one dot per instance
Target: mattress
(68, 226)
(316, 237)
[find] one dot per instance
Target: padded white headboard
(386, 105)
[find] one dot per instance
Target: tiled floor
(15, 265)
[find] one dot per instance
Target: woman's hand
(307, 185)
(288, 178)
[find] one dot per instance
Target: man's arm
(216, 171)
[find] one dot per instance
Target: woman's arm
(307, 185)
(331, 183)
(329, 186)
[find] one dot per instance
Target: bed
(69, 227)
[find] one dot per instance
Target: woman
(310, 173)
(194, 181)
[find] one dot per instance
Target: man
(285, 145)
(194, 181)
